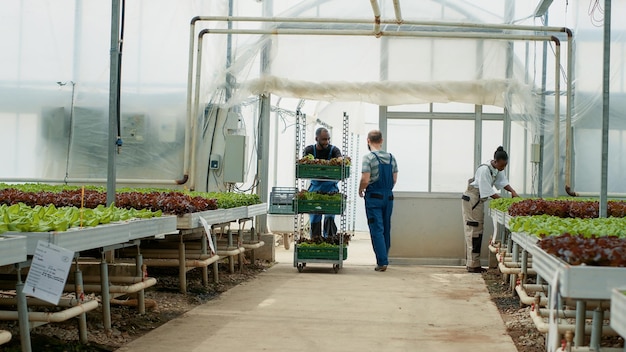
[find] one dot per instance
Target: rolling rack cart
(334, 255)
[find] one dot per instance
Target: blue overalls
(378, 208)
(330, 228)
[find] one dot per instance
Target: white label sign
(48, 272)
(207, 229)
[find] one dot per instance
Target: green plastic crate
(331, 253)
(320, 206)
(281, 209)
(330, 172)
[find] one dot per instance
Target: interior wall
(427, 228)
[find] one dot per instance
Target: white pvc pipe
(512, 271)
(345, 21)
(115, 279)
(176, 262)
(376, 11)
(597, 194)
(253, 245)
(397, 11)
(357, 32)
(529, 300)
(588, 349)
(173, 254)
(186, 155)
(230, 252)
(149, 282)
(382, 21)
(544, 327)
(64, 302)
(194, 115)
(571, 314)
(5, 337)
(88, 180)
(56, 317)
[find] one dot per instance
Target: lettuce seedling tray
(314, 252)
(618, 310)
(257, 209)
(81, 239)
(192, 220)
(317, 171)
(577, 281)
(152, 227)
(12, 249)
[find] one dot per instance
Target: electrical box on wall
(235, 159)
(215, 162)
(535, 153)
(133, 128)
(232, 122)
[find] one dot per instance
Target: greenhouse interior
(165, 183)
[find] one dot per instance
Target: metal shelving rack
(299, 229)
(354, 182)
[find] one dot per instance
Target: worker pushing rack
(322, 199)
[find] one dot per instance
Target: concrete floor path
(406, 308)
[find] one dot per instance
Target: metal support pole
(216, 276)
(515, 256)
(22, 313)
(263, 150)
(596, 328)
(557, 120)
(182, 267)
(113, 100)
(606, 81)
(478, 135)
(82, 318)
(524, 263)
(579, 334)
(544, 77)
(205, 250)
(141, 302)
(106, 297)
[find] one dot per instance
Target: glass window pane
(492, 139)
(517, 167)
(410, 108)
(453, 155)
(491, 109)
(454, 107)
(407, 141)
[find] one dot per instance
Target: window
(435, 149)
(408, 141)
(452, 154)
(492, 139)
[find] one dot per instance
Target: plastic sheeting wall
(45, 42)
(50, 47)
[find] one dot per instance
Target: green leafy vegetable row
(22, 218)
(503, 204)
(224, 200)
(319, 196)
(545, 225)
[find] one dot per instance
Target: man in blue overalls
(379, 175)
(322, 149)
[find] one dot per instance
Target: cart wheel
(336, 268)
(300, 267)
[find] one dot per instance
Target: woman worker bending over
(479, 190)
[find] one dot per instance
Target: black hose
(119, 76)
